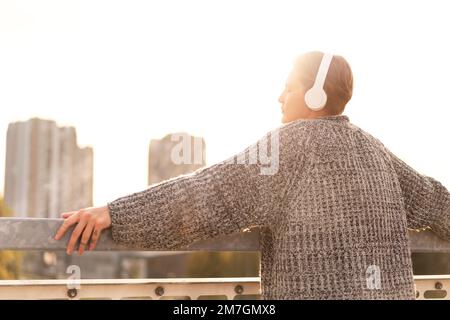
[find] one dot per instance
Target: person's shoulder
(295, 135)
(370, 142)
(367, 135)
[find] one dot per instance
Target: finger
(76, 234)
(85, 237)
(94, 239)
(67, 214)
(67, 223)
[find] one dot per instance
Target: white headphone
(316, 97)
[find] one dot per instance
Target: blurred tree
(223, 264)
(9, 260)
(429, 263)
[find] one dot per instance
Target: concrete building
(46, 172)
(173, 155)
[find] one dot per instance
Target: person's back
(344, 232)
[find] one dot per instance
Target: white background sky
(124, 72)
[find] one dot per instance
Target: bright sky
(124, 72)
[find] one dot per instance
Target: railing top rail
(37, 234)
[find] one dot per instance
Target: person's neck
(318, 114)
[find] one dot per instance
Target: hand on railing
(90, 223)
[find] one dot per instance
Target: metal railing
(37, 234)
(146, 289)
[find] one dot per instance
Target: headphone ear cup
(316, 98)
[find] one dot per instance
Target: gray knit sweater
(333, 218)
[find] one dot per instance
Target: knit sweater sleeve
(221, 199)
(426, 200)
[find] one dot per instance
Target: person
(333, 218)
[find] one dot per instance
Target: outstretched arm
(221, 199)
(427, 201)
(241, 192)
